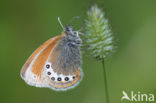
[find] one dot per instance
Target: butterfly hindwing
(62, 70)
(60, 81)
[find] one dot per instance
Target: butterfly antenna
(60, 22)
(73, 18)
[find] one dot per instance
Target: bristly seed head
(98, 36)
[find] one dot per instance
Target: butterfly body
(56, 64)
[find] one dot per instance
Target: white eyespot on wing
(60, 82)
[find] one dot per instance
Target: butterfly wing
(61, 82)
(61, 71)
(32, 69)
(46, 67)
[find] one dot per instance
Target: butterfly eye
(68, 28)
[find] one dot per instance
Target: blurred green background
(26, 24)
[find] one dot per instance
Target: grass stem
(105, 82)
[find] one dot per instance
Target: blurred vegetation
(26, 24)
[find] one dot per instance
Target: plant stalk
(105, 82)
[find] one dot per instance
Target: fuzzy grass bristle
(98, 36)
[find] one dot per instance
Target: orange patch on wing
(43, 56)
(26, 65)
(68, 84)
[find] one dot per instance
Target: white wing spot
(55, 77)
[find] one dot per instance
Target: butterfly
(56, 64)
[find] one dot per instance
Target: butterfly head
(72, 36)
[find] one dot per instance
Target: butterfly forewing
(32, 69)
